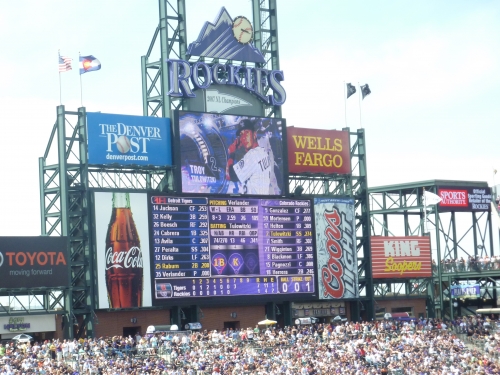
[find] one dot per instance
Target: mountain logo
(226, 39)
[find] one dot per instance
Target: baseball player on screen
(251, 163)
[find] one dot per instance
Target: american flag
(64, 63)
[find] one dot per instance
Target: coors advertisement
(336, 248)
(33, 262)
(122, 250)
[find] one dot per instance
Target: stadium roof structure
(410, 186)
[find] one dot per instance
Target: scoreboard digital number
(220, 247)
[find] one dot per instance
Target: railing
(467, 267)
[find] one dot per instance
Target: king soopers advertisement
(401, 257)
(128, 140)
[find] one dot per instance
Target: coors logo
(336, 248)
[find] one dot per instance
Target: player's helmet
(245, 124)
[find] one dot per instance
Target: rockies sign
(231, 40)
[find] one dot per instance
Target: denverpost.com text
(126, 157)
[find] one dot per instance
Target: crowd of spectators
(421, 347)
(471, 264)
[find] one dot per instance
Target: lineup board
(214, 247)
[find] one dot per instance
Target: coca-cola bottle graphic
(124, 266)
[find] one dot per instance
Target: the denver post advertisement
(128, 140)
(336, 248)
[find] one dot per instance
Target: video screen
(222, 247)
(229, 154)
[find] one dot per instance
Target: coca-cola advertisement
(336, 248)
(122, 250)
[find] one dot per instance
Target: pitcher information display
(208, 247)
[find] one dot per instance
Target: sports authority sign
(401, 257)
(318, 151)
(464, 199)
(336, 248)
(27, 262)
(228, 39)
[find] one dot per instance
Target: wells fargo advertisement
(401, 257)
(318, 151)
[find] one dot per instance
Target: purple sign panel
(465, 291)
(207, 247)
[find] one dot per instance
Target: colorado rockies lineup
(251, 161)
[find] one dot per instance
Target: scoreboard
(221, 247)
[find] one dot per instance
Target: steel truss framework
(170, 42)
(65, 183)
(399, 210)
(354, 186)
(33, 301)
(66, 178)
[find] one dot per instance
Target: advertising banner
(122, 250)
(401, 257)
(336, 248)
(15, 325)
(464, 199)
(128, 140)
(465, 291)
(33, 262)
(318, 151)
(227, 154)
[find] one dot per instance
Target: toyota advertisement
(34, 262)
(401, 257)
(128, 140)
(336, 248)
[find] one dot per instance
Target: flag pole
(359, 97)
(345, 104)
(81, 89)
(60, 95)
(425, 212)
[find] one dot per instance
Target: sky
(432, 68)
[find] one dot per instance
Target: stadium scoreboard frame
(206, 249)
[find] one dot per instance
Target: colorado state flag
(89, 64)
